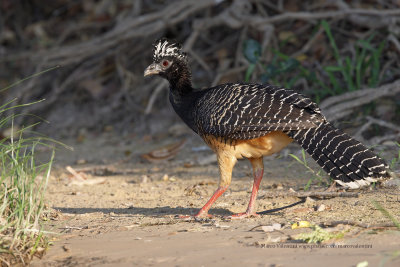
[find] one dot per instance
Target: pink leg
(225, 164)
(204, 210)
(258, 171)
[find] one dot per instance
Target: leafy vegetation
(319, 235)
(351, 72)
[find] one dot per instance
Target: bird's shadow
(162, 211)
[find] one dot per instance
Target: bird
(249, 120)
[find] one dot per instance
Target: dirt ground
(125, 213)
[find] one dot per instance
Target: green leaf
(252, 50)
(333, 69)
(289, 65)
(332, 42)
(29, 77)
(249, 72)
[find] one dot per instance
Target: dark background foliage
(321, 48)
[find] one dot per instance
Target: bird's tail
(345, 159)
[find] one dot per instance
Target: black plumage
(237, 111)
(248, 111)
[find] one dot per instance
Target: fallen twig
(76, 175)
(164, 153)
(304, 195)
(362, 225)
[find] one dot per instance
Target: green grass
(396, 160)
(386, 213)
(23, 182)
(316, 176)
(361, 69)
(352, 72)
(394, 254)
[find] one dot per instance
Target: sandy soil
(128, 217)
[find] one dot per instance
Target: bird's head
(168, 59)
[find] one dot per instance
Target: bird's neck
(181, 83)
(182, 95)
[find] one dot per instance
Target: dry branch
(384, 14)
(126, 45)
(312, 194)
(336, 107)
(359, 224)
(127, 29)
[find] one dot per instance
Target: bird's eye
(165, 63)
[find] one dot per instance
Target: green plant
(351, 72)
(23, 182)
(364, 67)
(386, 213)
(316, 175)
(396, 160)
(319, 235)
(252, 52)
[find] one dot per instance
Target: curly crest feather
(166, 48)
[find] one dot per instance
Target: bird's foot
(243, 215)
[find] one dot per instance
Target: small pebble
(321, 207)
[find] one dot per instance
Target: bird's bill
(152, 70)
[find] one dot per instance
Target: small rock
(271, 228)
(267, 228)
(277, 226)
(222, 226)
(145, 179)
(129, 227)
(81, 161)
(275, 240)
(392, 183)
(321, 207)
(362, 264)
(309, 202)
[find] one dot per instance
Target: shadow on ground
(159, 211)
